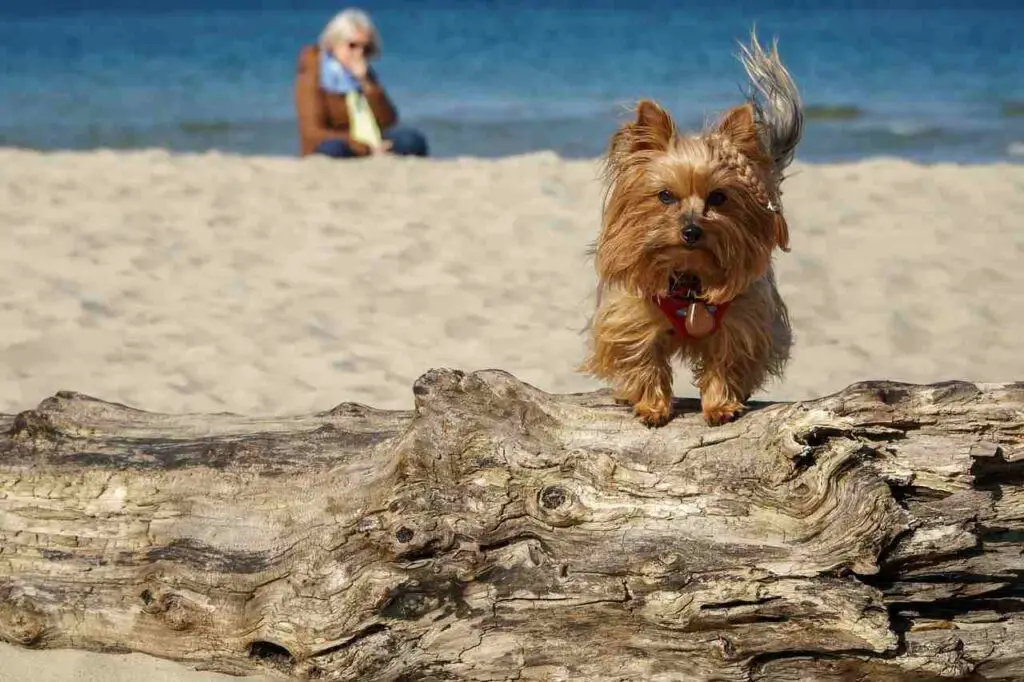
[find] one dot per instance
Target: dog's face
(701, 205)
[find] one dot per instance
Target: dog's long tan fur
(659, 180)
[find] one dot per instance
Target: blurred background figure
(342, 108)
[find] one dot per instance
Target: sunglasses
(365, 47)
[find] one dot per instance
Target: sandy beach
(274, 286)
(265, 285)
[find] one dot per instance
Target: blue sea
(928, 81)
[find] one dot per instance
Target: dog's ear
(652, 130)
(655, 125)
(740, 127)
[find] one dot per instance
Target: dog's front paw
(716, 415)
(654, 415)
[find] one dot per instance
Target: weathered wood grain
(501, 533)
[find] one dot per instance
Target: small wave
(1015, 149)
(915, 130)
(832, 112)
(897, 137)
(1013, 109)
(205, 127)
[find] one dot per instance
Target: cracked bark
(499, 532)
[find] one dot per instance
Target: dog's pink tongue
(699, 320)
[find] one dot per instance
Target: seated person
(342, 108)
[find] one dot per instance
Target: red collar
(689, 314)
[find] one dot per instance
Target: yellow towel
(362, 124)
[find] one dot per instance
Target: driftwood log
(498, 532)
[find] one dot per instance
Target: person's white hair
(344, 25)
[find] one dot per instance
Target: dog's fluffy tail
(776, 102)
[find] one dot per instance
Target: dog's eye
(666, 197)
(716, 198)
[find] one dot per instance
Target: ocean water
(925, 80)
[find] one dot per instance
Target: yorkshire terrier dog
(684, 256)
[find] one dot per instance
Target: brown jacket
(324, 116)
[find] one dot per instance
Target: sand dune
(260, 285)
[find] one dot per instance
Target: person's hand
(382, 149)
(358, 67)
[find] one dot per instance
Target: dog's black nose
(692, 234)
